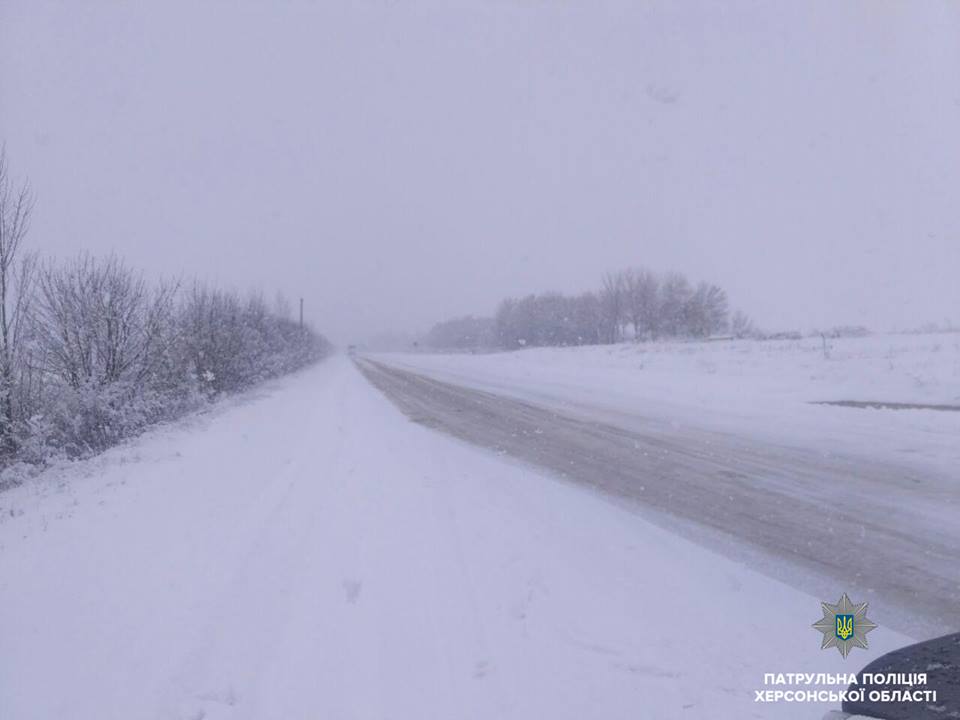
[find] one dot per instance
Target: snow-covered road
(760, 389)
(308, 552)
(817, 521)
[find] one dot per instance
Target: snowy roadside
(760, 388)
(311, 553)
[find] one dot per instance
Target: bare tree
(675, 294)
(585, 313)
(706, 310)
(613, 305)
(100, 323)
(642, 287)
(16, 205)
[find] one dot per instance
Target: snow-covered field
(307, 552)
(759, 388)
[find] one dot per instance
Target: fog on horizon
(399, 163)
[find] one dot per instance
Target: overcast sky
(399, 162)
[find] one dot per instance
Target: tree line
(92, 353)
(635, 303)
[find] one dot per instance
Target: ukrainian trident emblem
(844, 626)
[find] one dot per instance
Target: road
(818, 521)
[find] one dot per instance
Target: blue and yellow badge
(844, 625)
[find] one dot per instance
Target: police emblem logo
(844, 625)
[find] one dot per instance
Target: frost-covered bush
(230, 343)
(103, 354)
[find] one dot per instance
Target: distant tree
(642, 287)
(675, 295)
(462, 333)
(586, 318)
(554, 316)
(613, 306)
(16, 206)
(635, 297)
(706, 311)
(504, 328)
(507, 324)
(548, 319)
